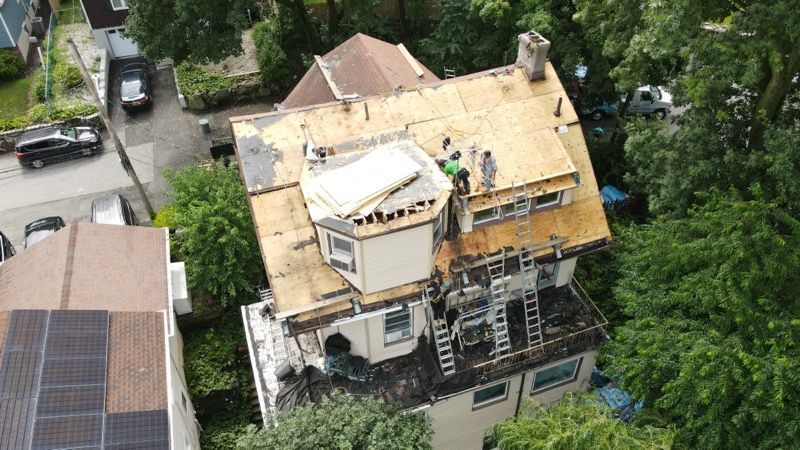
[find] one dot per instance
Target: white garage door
(121, 45)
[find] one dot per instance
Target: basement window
(557, 375)
(489, 395)
(118, 5)
(397, 326)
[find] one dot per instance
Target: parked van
(646, 100)
(39, 147)
(113, 209)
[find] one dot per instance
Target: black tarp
(309, 386)
(336, 343)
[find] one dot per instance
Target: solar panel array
(19, 377)
(69, 413)
(53, 387)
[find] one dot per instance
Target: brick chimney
(532, 54)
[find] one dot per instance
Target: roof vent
(532, 54)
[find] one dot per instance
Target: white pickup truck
(646, 100)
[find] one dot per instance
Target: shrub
(65, 77)
(165, 218)
(11, 65)
(195, 80)
(42, 114)
(272, 60)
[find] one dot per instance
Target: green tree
(342, 422)
(712, 343)
(577, 421)
(215, 234)
(193, 30)
(652, 42)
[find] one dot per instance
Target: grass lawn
(14, 97)
(70, 12)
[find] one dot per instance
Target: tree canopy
(215, 234)
(577, 421)
(714, 300)
(342, 422)
(193, 30)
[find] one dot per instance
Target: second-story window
(548, 200)
(117, 5)
(438, 232)
(397, 326)
(485, 215)
(341, 254)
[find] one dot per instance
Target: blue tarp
(613, 197)
(620, 401)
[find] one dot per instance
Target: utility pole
(123, 156)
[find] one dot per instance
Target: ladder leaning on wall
(496, 266)
(527, 266)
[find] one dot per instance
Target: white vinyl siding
(566, 268)
(397, 258)
(438, 231)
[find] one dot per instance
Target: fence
(47, 59)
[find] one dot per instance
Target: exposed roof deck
(497, 110)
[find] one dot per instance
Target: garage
(121, 45)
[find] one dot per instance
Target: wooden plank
(410, 60)
(315, 306)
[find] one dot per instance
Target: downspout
(519, 397)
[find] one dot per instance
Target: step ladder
(496, 267)
(281, 349)
(441, 337)
(449, 73)
(527, 265)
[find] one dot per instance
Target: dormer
(378, 213)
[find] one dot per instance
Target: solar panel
(71, 400)
(26, 330)
(19, 374)
(67, 432)
(68, 346)
(16, 417)
(70, 372)
(78, 322)
(136, 427)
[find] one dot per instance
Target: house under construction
(390, 277)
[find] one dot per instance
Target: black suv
(46, 145)
(40, 229)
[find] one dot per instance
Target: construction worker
(488, 169)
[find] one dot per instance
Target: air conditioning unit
(342, 262)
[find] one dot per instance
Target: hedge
(11, 65)
(42, 114)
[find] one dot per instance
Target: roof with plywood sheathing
(498, 110)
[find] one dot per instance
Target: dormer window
(548, 200)
(118, 5)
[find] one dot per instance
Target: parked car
(6, 249)
(113, 209)
(646, 100)
(135, 88)
(40, 229)
(39, 147)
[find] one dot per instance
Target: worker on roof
(456, 171)
(488, 169)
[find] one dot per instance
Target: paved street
(163, 137)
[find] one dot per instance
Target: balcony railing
(570, 341)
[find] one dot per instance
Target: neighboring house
(462, 303)
(90, 353)
(107, 19)
(361, 66)
(16, 26)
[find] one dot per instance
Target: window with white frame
(557, 375)
(489, 395)
(117, 5)
(397, 326)
(549, 199)
(438, 232)
(485, 215)
(508, 209)
(341, 254)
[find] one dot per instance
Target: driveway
(162, 137)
